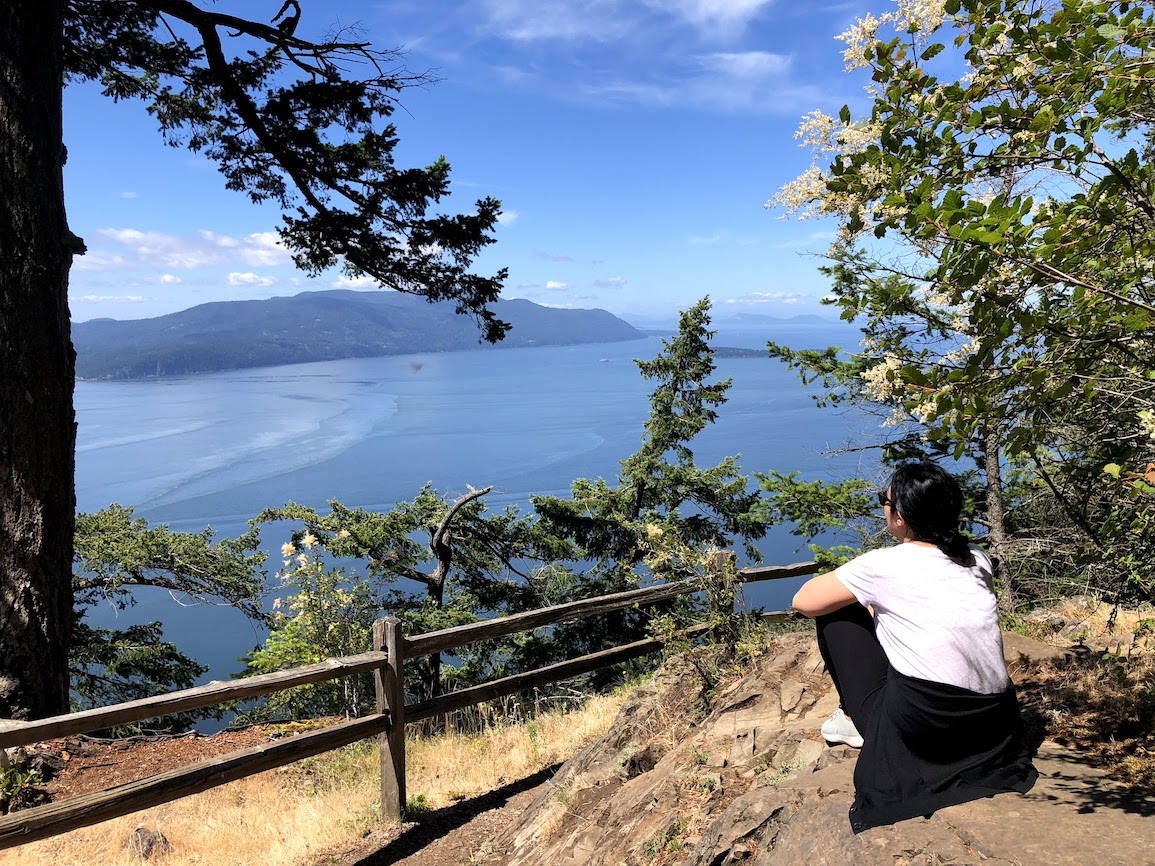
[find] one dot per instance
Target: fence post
(390, 686)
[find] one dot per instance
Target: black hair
(929, 500)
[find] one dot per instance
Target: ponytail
(930, 501)
(953, 543)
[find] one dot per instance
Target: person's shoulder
(877, 555)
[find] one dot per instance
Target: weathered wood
(23, 733)
(390, 683)
(776, 572)
(451, 638)
(42, 822)
(541, 676)
(780, 616)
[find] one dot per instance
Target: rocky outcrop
(743, 777)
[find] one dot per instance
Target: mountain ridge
(317, 326)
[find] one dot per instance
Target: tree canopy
(303, 122)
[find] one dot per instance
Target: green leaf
(933, 51)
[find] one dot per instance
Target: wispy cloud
(507, 217)
(754, 65)
(610, 20)
(170, 280)
(564, 20)
(611, 282)
(96, 261)
(755, 298)
(129, 194)
(109, 299)
(705, 240)
(553, 257)
(745, 81)
(729, 14)
(556, 286)
(808, 241)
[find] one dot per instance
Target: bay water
(216, 449)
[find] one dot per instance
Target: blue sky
(633, 144)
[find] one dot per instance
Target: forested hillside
(316, 326)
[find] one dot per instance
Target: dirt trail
(458, 835)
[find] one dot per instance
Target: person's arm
(821, 595)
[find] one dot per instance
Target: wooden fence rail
(390, 649)
(22, 733)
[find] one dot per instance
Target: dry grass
(449, 768)
(285, 816)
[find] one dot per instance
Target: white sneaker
(839, 729)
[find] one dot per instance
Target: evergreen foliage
(468, 563)
(661, 484)
(116, 556)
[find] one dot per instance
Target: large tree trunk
(37, 422)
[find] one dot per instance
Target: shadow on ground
(1087, 792)
(437, 823)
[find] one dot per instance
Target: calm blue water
(216, 449)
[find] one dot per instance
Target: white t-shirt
(936, 620)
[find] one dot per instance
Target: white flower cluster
(1147, 422)
(881, 381)
(918, 17)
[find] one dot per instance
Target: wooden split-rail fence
(390, 649)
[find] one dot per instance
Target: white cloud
(358, 283)
(205, 249)
(773, 298)
(529, 285)
(157, 248)
(249, 279)
(507, 217)
(556, 286)
(706, 240)
(170, 280)
(129, 194)
(611, 282)
(109, 299)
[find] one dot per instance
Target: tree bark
(37, 367)
(996, 520)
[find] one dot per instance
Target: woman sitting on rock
(910, 636)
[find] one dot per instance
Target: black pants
(854, 658)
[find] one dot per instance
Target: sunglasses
(883, 499)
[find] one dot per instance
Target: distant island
(317, 326)
(752, 319)
(736, 352)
